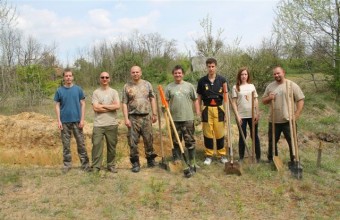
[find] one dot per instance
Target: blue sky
(74, 24)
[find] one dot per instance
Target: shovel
(231, 167)
(277, 161)
(253, 126)
(175, 166)
(187, 170)
(296, 168)
(239, 128)
(162, 164)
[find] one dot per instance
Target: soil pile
(30, 130)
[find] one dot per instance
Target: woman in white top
(242, 102)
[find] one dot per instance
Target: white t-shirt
(243, 101)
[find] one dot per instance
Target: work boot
(135, 167)
(151, 160)
(112, 169)
(65, 169)
(192, 156)
(135, 164)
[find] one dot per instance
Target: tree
(7, 14)
(209, 45)
(312, 22)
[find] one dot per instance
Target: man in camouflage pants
(70, 111)
(138, 101)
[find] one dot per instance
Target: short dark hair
(67, 70)
(178, 67)
(210, 61)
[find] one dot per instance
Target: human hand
(81, 124)
(197, 120)
(154, 118)
(128, 123)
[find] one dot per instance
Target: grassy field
(39, 190)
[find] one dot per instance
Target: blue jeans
(241, 144)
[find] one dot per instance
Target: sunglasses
(105, 77)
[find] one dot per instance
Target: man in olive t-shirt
(181, 96)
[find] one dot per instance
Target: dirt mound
(30, 130)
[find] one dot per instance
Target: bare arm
(82, 117)
(197, 107)
(57, 111)
(126, 115)
(106, 108)
(267, 100)
(299, 107)
(199, 102)
(233, 103)
(154, 109)
(256, 110)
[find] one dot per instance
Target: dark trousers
(241, 144)
(279, 127)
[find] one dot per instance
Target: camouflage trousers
(68, 128)
(141, 125)
(185, 130)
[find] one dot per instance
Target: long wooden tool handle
(159, 125)
(168, 128)
(291, 121)
(239, 127)
(227, 111)
(294, 127)
(253, 124)
(165, 103)
(273, 126)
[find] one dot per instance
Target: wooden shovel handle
(161, 93)
(165, 103)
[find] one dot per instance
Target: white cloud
(100, 17)
(120, 6)
(42, 23)
(142, 23)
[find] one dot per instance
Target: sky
(74, 25)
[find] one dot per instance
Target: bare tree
(209, 45)
(7, 14)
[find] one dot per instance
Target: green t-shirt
(180, 98)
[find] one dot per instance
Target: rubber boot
(176, 153)
(192, 159)
(151, 160)
(135, 164)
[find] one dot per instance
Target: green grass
(39, 192)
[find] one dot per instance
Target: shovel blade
(278, 163)
(176, 166)
(296, 169)
(231, 168)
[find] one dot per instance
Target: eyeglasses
(105, 77)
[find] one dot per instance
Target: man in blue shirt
(70, 110)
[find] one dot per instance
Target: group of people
(187, 105)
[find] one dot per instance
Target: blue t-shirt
(69, 98)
